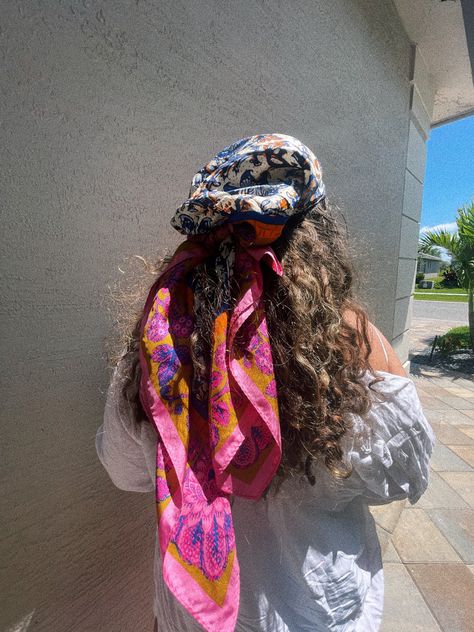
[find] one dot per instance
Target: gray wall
(421, 111)
(108, 109)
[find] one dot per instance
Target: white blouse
(310, 559)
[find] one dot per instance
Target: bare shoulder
(378, 343)
(391, 361)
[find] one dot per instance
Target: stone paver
(466, 452)
(448, 590)
(453, 435)
(390, 554)
(429, 402)
(429, 553)
(462, 483)
(440, 494)
(459, 403)
(445, 459)
(387, 516)
(417, 539)
(451, 416)
(457, 525)
(405, 609)
(460, 391)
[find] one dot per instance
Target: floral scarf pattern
(222, 438)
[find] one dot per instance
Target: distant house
(429, 265)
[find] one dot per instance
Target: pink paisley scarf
(222, 438)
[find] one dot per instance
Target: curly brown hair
(319, 356)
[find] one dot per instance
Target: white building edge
(442, 91)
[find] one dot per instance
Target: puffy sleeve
(125, 448)
(390, 447)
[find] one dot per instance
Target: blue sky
(449, 178)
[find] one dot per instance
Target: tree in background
(460, 246)
(428, 249)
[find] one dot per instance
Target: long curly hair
(319, 355)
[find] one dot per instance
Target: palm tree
(460, 246)
(428, 249)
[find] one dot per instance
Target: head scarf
(220, 437)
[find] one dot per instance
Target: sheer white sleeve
(389, 448)
(125, 448)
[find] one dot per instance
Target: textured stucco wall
(107, 111)
(421, 111)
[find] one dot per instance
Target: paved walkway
(440, 310)
(423, 330)
(429, 547)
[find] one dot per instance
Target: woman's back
(255, 412)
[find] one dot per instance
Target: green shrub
(419, 277)
(450, 278)
(455, 339)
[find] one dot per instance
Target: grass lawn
(456, 295)
(446, 290)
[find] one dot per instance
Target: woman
(265, 410)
